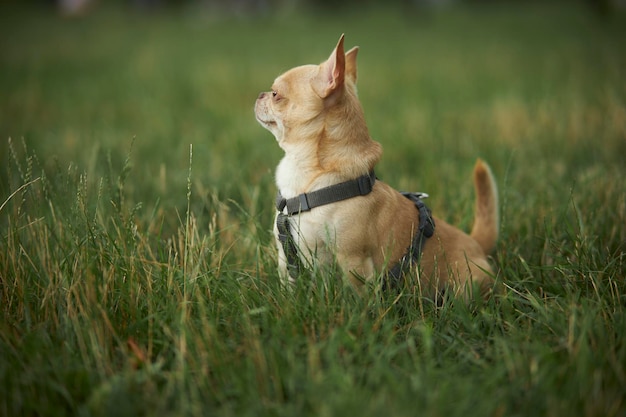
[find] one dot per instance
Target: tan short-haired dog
(331, 206)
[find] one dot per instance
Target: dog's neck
(296, 172)
(305, 168)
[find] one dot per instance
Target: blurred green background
(137, 271)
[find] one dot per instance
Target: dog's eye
(275, 96)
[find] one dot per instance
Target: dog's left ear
(351, 63)
(332, 72)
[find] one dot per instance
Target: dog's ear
(351, 63)
(332, 72)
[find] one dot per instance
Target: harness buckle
(280, 202)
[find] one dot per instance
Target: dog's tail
(486, 219)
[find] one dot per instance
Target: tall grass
(137, 267)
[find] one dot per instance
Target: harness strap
(294, 264)
(362, 185)
(425, 230)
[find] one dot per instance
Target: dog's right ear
(332, 72)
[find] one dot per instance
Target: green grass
(137, 268)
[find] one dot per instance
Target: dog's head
(303, 99)
(314, 113)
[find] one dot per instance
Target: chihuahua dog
(332, 209)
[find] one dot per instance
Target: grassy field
(137, 269)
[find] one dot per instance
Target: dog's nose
(262, 95)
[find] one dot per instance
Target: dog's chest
(314, 233)
(289, 177)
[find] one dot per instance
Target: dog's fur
(315, 115)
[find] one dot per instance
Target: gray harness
(360, 186)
